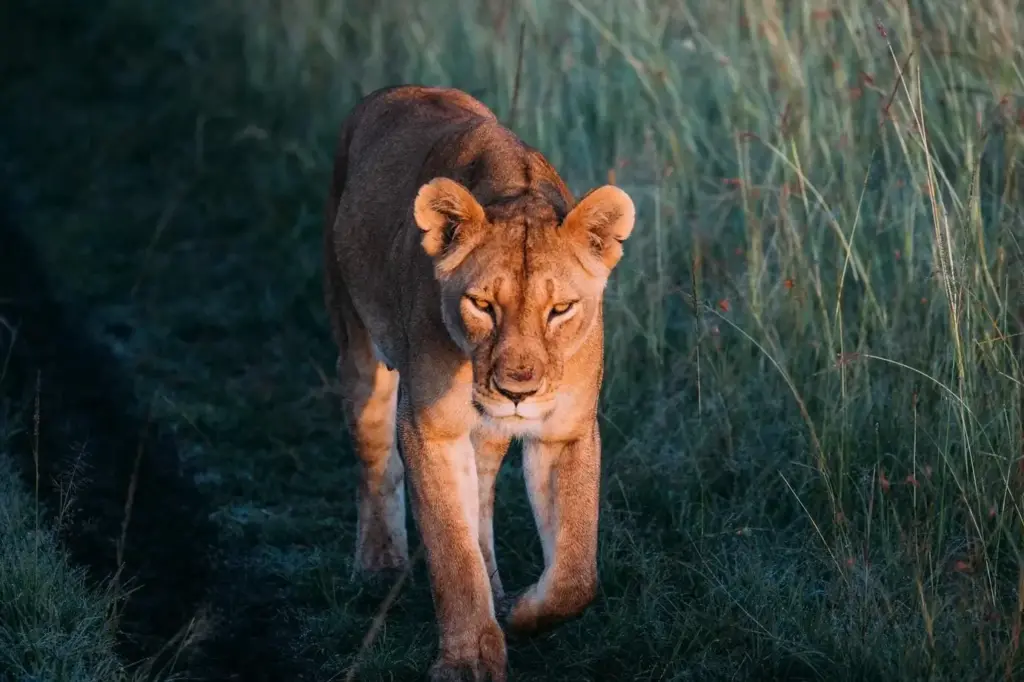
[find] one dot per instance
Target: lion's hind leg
(490, 450)
(369, 395)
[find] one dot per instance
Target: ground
(812, 403)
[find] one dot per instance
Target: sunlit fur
(524, 266)
(464, 284)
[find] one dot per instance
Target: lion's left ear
(445, 211)
(605, 217)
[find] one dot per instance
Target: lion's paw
(479, 658)
(537, 610)
(387, 560)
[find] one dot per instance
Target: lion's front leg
(443, 478)
(563, 481)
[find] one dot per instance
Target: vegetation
(52, 627)
(812, 404)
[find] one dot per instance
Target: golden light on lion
(461, 269)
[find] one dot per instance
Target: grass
(812, 403)
(52, 625)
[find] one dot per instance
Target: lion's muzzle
(518, 378)
(517, 389)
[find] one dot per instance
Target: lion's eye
(560, 309)
(481, 305)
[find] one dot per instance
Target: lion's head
(521, 286)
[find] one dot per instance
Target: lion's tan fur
(459, 266)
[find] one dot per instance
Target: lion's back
(389, 137)
(443, 103)
(401, 124)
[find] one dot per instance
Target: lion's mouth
(501, 408)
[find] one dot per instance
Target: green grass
(812, 403)
(53, 626)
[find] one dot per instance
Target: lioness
(460, 269)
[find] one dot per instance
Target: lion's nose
(517, 385)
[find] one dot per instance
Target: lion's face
(520, 318)
(521, 291)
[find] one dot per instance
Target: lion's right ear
(444, 210)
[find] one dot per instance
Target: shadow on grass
(114, 483)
